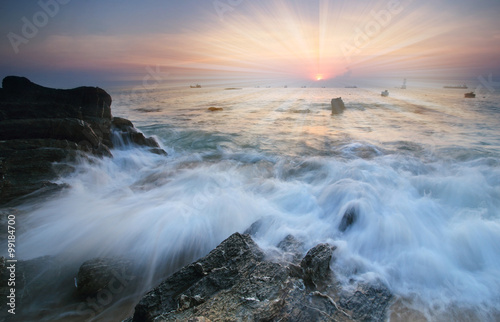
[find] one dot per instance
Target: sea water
(420, 169)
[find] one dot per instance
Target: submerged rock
(43, 130)
(235, 283)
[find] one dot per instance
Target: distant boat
(404, 84)
(385, 93)
(195, 86)
(286, 86)
(470, 95)
(351, 86)
(457, 86)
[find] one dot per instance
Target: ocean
(420, 171)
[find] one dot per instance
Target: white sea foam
(427, 222)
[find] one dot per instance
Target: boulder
(235, 282)
(337, 105)
(100, 274)
(348, 219)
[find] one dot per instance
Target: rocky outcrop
(128, 134)
(235, 282)
(42, 130)
(337, 105)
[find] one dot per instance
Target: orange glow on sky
(276, 40)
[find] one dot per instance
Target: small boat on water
(385, 93)
(351, 86)
(458, 86)
(195, 86)
(470, 95)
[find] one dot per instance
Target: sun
(319, 77)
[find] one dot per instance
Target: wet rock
(235, 283)
(292, 249)
(349, 218)
(214, 109)
(316, 264)
(367, 302)
(337, 105)
(43, 130)
(102, 273)
(130, 135)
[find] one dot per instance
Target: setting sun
(319, 77)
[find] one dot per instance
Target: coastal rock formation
(235, 282)
(337, 105)
(100, 274)
(42, 130)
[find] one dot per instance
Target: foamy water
(421, 169)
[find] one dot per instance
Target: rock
(367, 302)
(235, 283)
(213, 109)
(100, 274)
(316, 264)
(292, 248)
(337, 105)
(44, 130)
(128, 134)
(349, 218)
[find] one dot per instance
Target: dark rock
(214, 109)
(337, 105)
(350, 216)
(292, 248)
(43, 130)
(235, 283)
(101, 273)
(316, 264)
(86, 102)
(128, 134)
(368, 302)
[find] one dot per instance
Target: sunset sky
(67, 43)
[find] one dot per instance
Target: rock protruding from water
(130, 135)
(349, 218)
(337, 105)
(43, 129)
(234, 282)
(100, 274)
